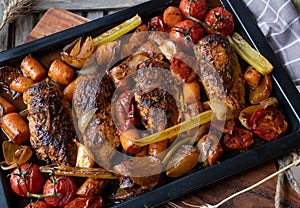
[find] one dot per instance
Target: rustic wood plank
(23, 25)
(262, 196)
(87, 5)
(63, 20)
(3, 32)
(92, 15)
(113, 11)
(3, 38)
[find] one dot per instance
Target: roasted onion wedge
(76, 53)
(246, 114)
(85, 158)
(185, 158)
(14, 154)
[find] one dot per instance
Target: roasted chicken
(98, 133)
(155, 95)
(221, 75)
(50, 124)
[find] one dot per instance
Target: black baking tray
(284, 90)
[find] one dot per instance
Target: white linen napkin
(280, 23)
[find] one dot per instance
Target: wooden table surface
(263, 196)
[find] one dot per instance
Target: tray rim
(286, 88)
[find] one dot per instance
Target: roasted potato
(252, 77)
(21, 84)
(32, 68)
(210, 149)
(6, 107)
(15, 128)
(61, 72)
(145, 171)
(157, 148)
(68, 91)
(127, 139)
(184, 159)
(263, 90)
(92, 187)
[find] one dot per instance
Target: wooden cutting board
(55, 20)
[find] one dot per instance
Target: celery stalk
(118, 31)
(249, 54)
(198, 120)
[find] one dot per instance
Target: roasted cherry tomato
(186, 32)
(268, 123)
(240, 139)
(64, 186)
(196, 8)
(157, 24)
(27, 176)
(185, 71)
(219, 19)
(172, 16)
(85, 203)
(38, 204)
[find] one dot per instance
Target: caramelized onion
(85, 158)
(14, 154)
(85, 119)
(76, 53)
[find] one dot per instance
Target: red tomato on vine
(219, 20)
(187, 33)
(196, 8)
(26, 177)
(65, 188)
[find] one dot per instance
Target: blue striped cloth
(280, 23)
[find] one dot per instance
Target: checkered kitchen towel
(279, 21)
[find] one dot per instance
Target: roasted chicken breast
(50, 124)
(92, 109)
(155, 95)
(221, 75)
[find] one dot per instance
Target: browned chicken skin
(100, 135)
(221, 75)
(155, 92)
(50, 123)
